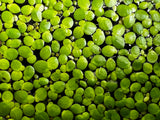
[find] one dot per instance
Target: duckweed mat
(79, 60)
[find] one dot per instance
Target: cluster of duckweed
(79, 60)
